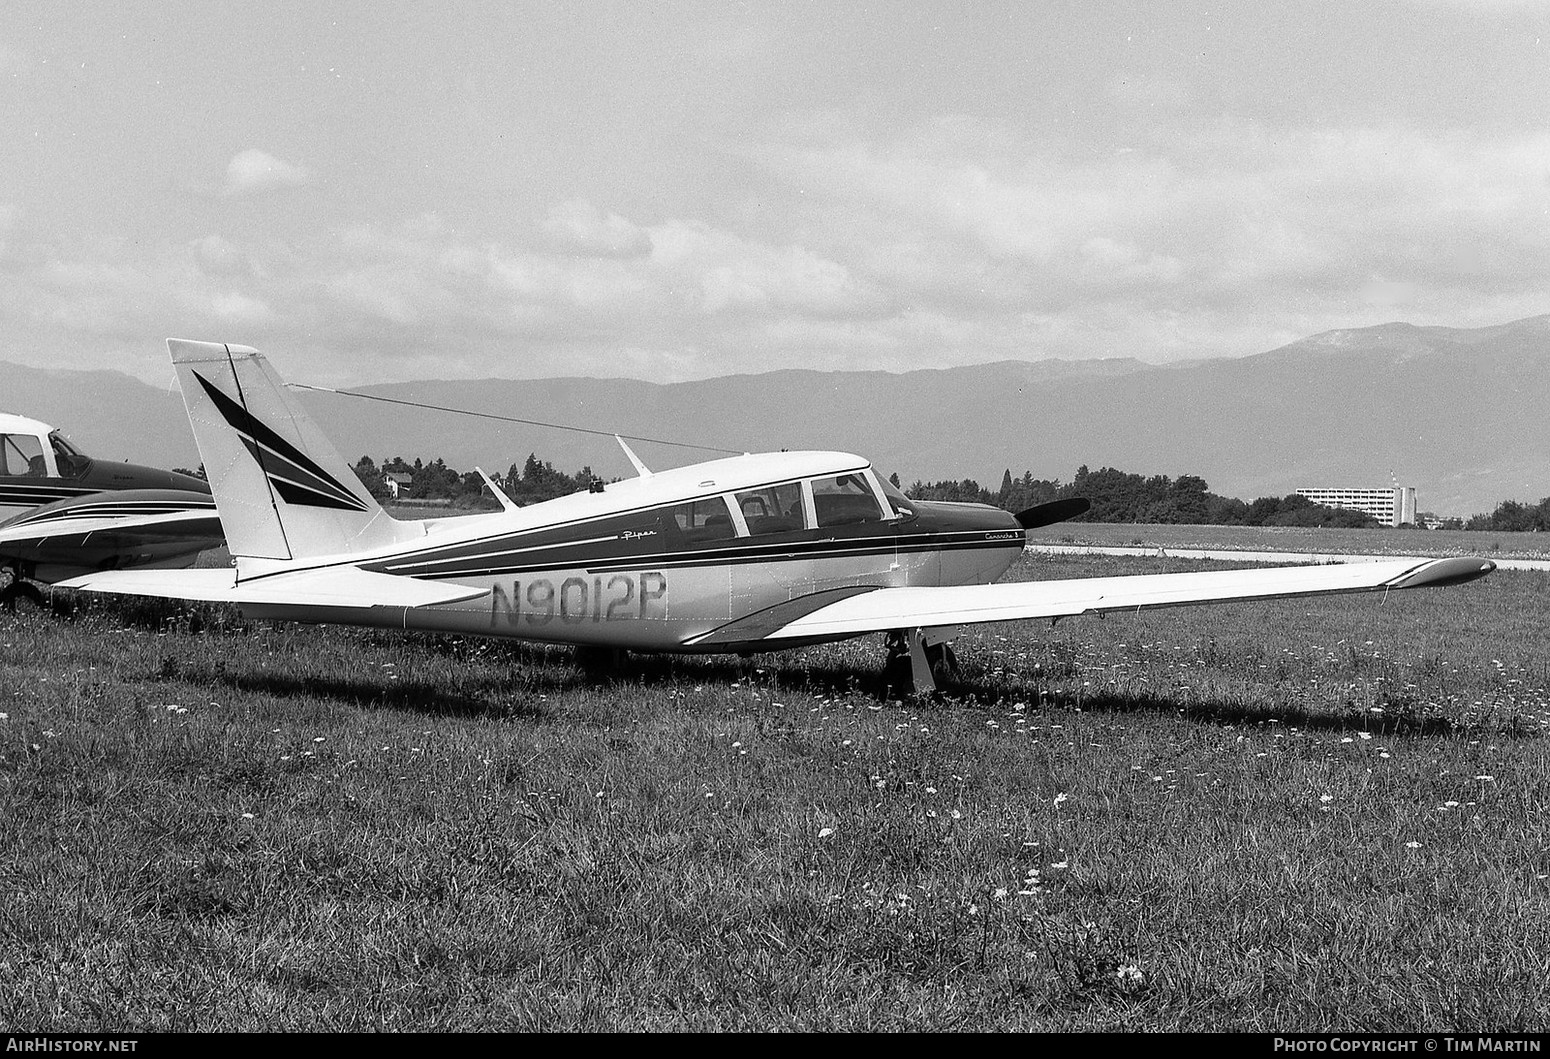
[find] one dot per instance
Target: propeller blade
(1052, 512)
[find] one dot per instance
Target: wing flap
(346, 586)
(894, 608)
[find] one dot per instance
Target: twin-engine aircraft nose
(188, 483)
(118, 476)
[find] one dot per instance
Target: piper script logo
(291, 473)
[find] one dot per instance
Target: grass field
(1302, 815)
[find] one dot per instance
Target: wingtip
(1440, 572)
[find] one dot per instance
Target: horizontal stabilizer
(342, 586)
(928, 607)
(205, 586)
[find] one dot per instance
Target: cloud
(1225, 212)
(740, 275)
(578, 227)
(239, 309)
(950, 243)
(253, 171)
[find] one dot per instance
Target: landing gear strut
(916, 657)
(601, 661)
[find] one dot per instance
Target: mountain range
(1457, 413)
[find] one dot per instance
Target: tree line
(435, 482)
(1512, 516)
(1118, 496)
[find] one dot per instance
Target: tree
(1511, 516)
(366, 470)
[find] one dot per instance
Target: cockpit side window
(72, 464)
(845, 500)
(704, 520)
(22, 456)
(773, 509)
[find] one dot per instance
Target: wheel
(898, 676)
(944, 662)
(17, 590)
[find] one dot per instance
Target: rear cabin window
(703, 520)
(772, 509)
(22, 456)
(844, 501)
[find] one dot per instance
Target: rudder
(282, 489)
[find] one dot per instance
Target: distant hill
(105, 413)
(1458, 413)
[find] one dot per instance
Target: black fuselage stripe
(124, 509)
(416, 564)
(668, 561)
(42, 494)
(543, 556)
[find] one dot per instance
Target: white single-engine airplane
(63, 513)
(745, 554)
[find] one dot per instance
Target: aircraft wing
(116, 529)
(882, 609)
(112, 531)
(334, 587)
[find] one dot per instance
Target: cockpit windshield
(72, 462)
(845, 500)
(902, 505)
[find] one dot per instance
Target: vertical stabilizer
(282, 490)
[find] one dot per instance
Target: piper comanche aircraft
(745, 554)
(63, 513)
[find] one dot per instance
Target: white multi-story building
(1391, 506)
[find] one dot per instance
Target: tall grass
(1304, 815)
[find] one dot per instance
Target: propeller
(1052, 512)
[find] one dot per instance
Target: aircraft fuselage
(636, 580)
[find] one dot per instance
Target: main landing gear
(598, 661)
(19, 589)
(917, 658)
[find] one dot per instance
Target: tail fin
(282, 490)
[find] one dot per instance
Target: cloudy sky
(383, 191)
